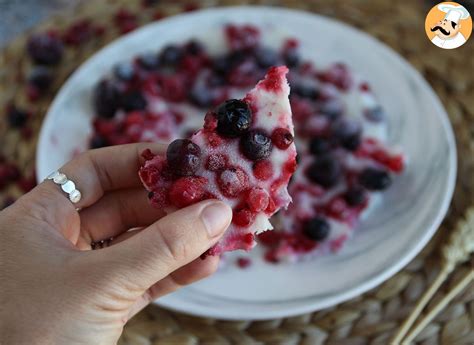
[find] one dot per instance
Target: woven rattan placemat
(368, 319)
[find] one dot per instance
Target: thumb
(171, 242)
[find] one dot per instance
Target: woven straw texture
(369, 319)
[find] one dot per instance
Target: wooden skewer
(442, 275)
(468, 278)
(456, 251)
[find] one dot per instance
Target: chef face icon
(448, 25)
(445, 29)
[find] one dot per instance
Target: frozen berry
(45, 49)
(98, 141)
(216, 162)
(242, 37)
(133, 100)
(106, 99)
(194, 47)
(266, 57)
(347, 133)
(282, 138)
(232, 181)
(243, 262)
(41, 77)
(291, 57)
(124, 71)
(183, 157)
(325, 171)
(305, 91)
(355, 196)
(148, 61)
(318, 146)
(233, 118)
(17, 118)
(200, 97)
(243, 217)
(171, 55)
(316, 229)
(375, 114)
(375, 179)
(221, 65)
(332, 109)
(257, 199)
(187, 190)
(263, 170)
(256, 145)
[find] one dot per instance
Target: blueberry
(41, 77)
(375, 114)
(171, 55)
(17, 118)
(347, 133)
(266, 57)
(201, 97)
(184, 157)
(148, 61)
(325, 171)
(291, 57)
(45, 49)
(318, 145)
(106, 99)
(305, 91)
(332, 109)
(256, 145)
(97, 141)
(233, 118)
(355, 196)
(221, 65)
(194, 47)
(316, 229)
(215, 79)
(124, 71)
(375, 179)
(134, 100)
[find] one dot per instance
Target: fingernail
(215, 218)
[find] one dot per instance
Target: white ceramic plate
(391, 235)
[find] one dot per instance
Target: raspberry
(243, 217)
(263, 170)
(78, 33)
(214, 139)
(243, 262)
(271, 208)
(216, 162)
(173, 88)
(257, 199)
(187, 191)
(158, 197)
(232, 181)
(242, 37)
(269, 238)
(150, 175)
(210, 121)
